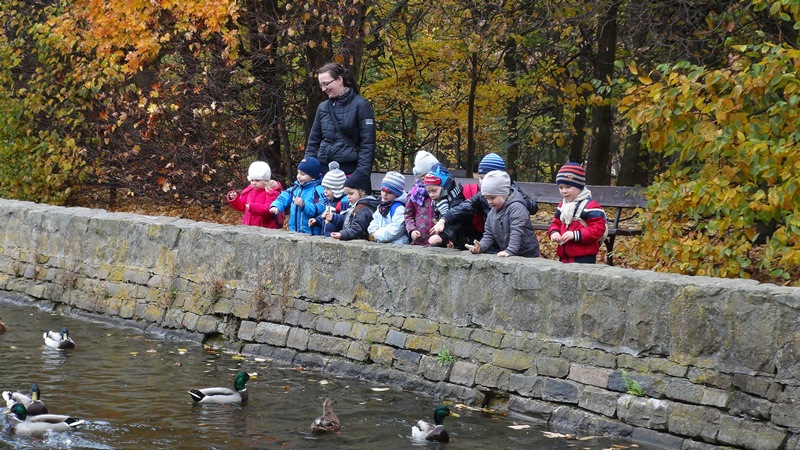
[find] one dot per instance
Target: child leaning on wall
(445, 193)
(579, 224)
(255, 199)
(388, 221)
(304, 199)
(508, 229)
(335, 200)
(419, 206)
(354, 222)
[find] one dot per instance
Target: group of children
(492, 216)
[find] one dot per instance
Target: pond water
(131, 388)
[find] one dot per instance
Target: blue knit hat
(438, 176)
(394, 182)
(491, 162)
(310, 166)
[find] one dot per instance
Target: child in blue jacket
(335, 200)
(304, 200)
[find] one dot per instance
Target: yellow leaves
(644, 79)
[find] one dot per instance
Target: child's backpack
(478, 220)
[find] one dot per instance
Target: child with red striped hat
(579, 224)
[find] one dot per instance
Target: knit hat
(496, 182)
(491, 162)
(334, 179)
(423, 163)
(356, 181)
(259, 170)
(437, 176)
(572, 174)
(394, 182)
(310, 166)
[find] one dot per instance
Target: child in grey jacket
(509, 231)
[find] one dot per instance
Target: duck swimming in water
(328, 420)
(59, 340)
(23, 425)
(222, 394)
(426, 431)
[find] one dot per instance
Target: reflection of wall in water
(716, 359)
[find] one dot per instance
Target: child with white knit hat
(335, 200)
(388, 221)
(508, 230)
(419, 206)
(255, 199)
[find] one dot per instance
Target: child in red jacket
(580, 223)
(254, 201)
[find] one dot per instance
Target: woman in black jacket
(344, 126)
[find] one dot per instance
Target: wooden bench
(619, 197)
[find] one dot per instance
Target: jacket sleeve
(366, 139)
(557, 224)
(393, 230)
(596, 223)
(408, 214)
(518, 214)
(358, 226)
(463, 211)
(283, 201)
(488, 240)
(312, 208)
(237, 203)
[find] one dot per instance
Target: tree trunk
(630, 170)
(473, 87)
(599, 164)
(512, 109)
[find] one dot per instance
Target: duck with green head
(58, 340)
(23, 425)
(426, 431)
(222, 394)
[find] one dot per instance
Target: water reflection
(131, 388)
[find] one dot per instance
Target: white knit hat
(334, 179)
(496, 182)
(423, 163)
(259, 170)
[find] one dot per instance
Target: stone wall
(716, 360)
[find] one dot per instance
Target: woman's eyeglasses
(324, 84)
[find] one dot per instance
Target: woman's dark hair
(336, 70)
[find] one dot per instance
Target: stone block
(207, 324)
(325, 325)
(421, 343)
(267, 351)
(667, 367)
(345, 313)
(562, 391)
(367, 317)
(272, 333)
(513, 359)
(358, 351)
(693, 421)
(751, 385)
(358, 331)
(709, 377)
(292, 317)
(406, 355)
(525, 385)
(342, 328)
(396, 338)
(492, 376)
(715, 397)
(454, 331)
(745, 433)
(433, 369)
(643, 412)
(419, 325)
(742, 404)
(598, 400)
(552, 367)
(486, 337)
(463, 373)
(298, 339)
(534, 408)
(381, 354)
(461, 349)
(654, 438)
(793, 443)
(310, 360)
(377, 333)
(630, 362)
(328, 344)
(593, 376)
(589, 357)
(684, 390)
(787, 414)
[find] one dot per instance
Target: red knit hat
(572, 174)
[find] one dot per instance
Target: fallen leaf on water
(182, 351)
(253, 374)
(237, 356)
(13, 347)
(519, 427)
(471, 408)
(551, 435)
(259, 359)
(380, 389)
(134, 353)
(324, 382)
(152, 350)
(586, 438)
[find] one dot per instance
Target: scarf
(418, 193)
(568, 208)
(385, 207)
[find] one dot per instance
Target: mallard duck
(328, 421)
(221, 394)
(59, 340)
(425, 431)
(23, 425)
(33, 405)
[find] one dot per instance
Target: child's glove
(232, 195)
